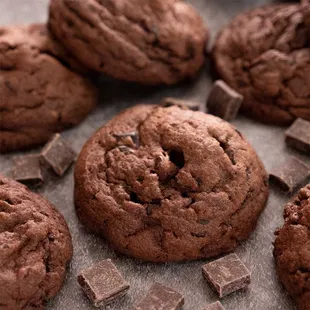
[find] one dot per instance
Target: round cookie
(40, 89)
(264, 54)
(35, 248)
(292, 249)
(185, 186)
(145, 41)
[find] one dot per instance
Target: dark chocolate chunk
(57, 154)
(161, 297)
(132, 135)
(102, 283)
(214, 306)
(191, 105)
(125, 149)
(227, 274)
(290, 175)
(298, 136)
(223, 101)
(27, 170)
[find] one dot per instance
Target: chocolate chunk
(125, 149)
(223, 101)
(227, 275)
(57, 154)
(102, 283)
(161, 297)
(27, 170)
(214, 306)
(298, 136)
(290, 175)
(169, 102)
(132, 135)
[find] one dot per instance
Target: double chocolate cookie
(145, 41)
(40, 89)
(265, 55)
(169, 184)
(35, 248)
(292, 249)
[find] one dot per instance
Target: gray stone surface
(265, 293)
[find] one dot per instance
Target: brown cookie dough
(169, 184)
(265, 55)
(41, 92)
(145, 41)
(35, 248)
(306, 11)
(292, 249)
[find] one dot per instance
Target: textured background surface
(265, 293)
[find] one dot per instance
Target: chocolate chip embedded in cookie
(192, 187)
(35, 248)
(41, 92)
(264, 54)
(145, 41)
(292, 249)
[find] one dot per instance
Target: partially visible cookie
(145, 41)
(35, 248)
(292, 249)
(264, 54)
(169, 184)
(40, 89)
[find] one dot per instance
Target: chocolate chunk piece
(27, 170)
(131, 138)
(102, 283)
(223, 101)
(214, 306)
(191, 105)
(227, 275)
(125, 149)
(290, 175)
(57, 154)
(161, 297)
(298, 136)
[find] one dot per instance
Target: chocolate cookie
(167, 183)
(265, 55)
(41, 92)
(292, 249)
(35, 248)
(145, 41)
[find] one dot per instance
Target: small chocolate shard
(224, 101)
(214, 306)
(290, 175)
(125, 149)
(161, 297)
(227, 274)
(132, 134)
(27, 170)
(102, 283)
(57, 154)
(298, 136)
(169, 102)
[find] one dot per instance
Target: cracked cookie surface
(292, 249)
(265, 55)
(145, 41)
(35, 248)
(167, 184)
(40, 89)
